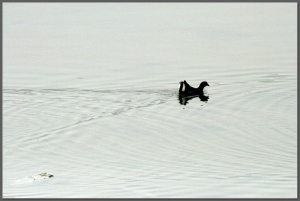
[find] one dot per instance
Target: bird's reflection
(183, 100)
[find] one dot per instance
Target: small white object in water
(35, 178)
(45, 174)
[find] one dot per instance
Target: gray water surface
(90, 96)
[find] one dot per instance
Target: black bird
(185, 89)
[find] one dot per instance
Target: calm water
(90, 96)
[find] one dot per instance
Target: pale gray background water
(90, 96)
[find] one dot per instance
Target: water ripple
(134, 140)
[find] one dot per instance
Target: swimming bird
(185, 89)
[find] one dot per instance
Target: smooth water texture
(90, 96)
